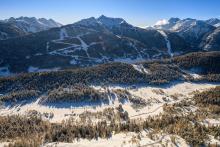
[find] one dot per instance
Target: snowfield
(155, 97)
(126, 140)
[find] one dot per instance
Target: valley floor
(156, 97)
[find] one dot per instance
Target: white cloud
(161, 22)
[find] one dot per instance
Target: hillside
(106, 82)
(190, 67)
(161, 102)
(93, 41)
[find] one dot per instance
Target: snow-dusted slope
(213, 21)
(192, 27)
(192, 30)
(212, 41)
(166, 24)
(92, 21)
(111, 22)
(32, 24)
(8, 30)
(155, 97)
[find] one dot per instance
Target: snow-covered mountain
(177, 24)
(88, 42)
(166, 25)
(92, 21)
(211, 41)
(103, 21)
(8, 30)
(111, 22)
(99, 40)
(213, 21)
(192, 30)
(32, 24)
(117, 104)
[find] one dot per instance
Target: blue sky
(136, 12)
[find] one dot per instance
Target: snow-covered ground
(155, 97)
(140, 68)
(211, 122)
(129, 60)
(4, 144)
(126, 140)
(193, 73)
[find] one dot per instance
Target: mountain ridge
(99, 40)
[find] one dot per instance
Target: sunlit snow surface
(154, 99)
(154, 95)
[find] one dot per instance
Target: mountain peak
(214, 21)
(173, 20)
(110, 22)
(102, 17)
(88, 21)
(32, 24)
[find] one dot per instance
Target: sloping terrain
(212, 40)
(192, 30)
(150, 72)
(17, 27)
(32, 24)
(7, 30)
(95, 41)
(162, 102)
(84, 43)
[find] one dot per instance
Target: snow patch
(193, 72)
(38, 54)
(73, 62)
(118, 36)
(217, 25)
(211, 122)
(48, 46)
(128, 60)
(140, 68)
(213, 141)
(129, 139)
(4, 71)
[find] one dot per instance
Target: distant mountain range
(14, 27)
(46, 45)
(193, 31)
